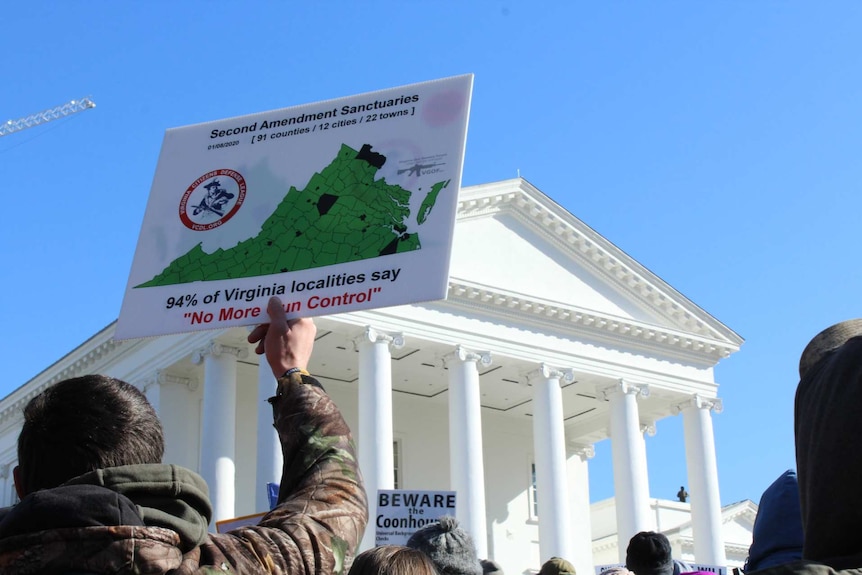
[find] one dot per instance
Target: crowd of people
(96, 498)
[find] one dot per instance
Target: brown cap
(828, 340)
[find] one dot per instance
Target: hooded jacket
(829, 455)
(152, 519)
(777, 534)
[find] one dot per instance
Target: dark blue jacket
(777, 534)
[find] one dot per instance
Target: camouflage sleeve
(322, 509)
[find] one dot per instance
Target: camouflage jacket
(158, 514)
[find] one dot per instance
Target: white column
(6, 483)
(375, 418)
(270, 460)
(466, 459)
(170, 396)
(218, 434)
(582, 534)
(549, 443)
(631, 483)
(703, 480)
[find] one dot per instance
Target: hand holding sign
(286, 343)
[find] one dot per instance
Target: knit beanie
(557, 566)
(648, 553)
(450, 547)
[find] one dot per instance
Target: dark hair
(83, 424)
(392, 560)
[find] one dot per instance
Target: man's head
(649, 553)
(83, 424)
(392, 560)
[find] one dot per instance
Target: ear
(16, 475)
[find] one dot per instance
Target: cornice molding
(565, 230)
(602, 326)
(80, 366)
(746, 509)
(82, 363)
(687, 544)
(737, 548)
(606, 545)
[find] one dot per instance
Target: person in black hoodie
(829, 453)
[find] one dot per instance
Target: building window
(396, 460)
(534, 500)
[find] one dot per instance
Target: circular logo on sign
(212, 200)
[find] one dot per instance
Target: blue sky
(716, 143)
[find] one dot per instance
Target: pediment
(737, 523)
(566, 270)
(737, 526)
(740, 515)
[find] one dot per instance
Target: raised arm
(322, 509)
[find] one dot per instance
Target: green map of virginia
(342, 215)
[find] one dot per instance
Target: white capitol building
(551, 339)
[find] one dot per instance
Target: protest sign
(401, 513)
(335, 206)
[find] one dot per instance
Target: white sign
(708, 568)
(401, 513)
(335, 206)
(601, 568)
